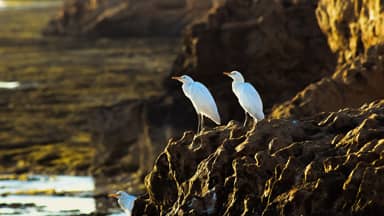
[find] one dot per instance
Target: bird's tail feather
(216, 119)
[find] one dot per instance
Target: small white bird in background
(125, 201)
(201, 99)
(248, 97)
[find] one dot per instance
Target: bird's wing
(127, 203)
(250, 100)
(203, 101)
(128, 212)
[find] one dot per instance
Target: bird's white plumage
(247, 96)
(126, 202)
(249, 99)
(202, 100)
(200, 97)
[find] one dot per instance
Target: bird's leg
(198, 123)
(202, 123)
(246, 119)
(254, 123)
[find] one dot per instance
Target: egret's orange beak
(176, 78)
(113, 196)
(227, 73)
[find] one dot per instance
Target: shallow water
(9, 85)
(72, 195)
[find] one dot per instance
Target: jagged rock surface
(351, 26)
(355, 31)
(330, 164)
(126, 17)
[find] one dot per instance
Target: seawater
(18, 196)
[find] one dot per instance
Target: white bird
(125, 200)
(201, 99)
(247, 96)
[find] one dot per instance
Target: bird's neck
(235, 82)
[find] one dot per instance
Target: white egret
(201, 99)
(247, 96)
(126, 201)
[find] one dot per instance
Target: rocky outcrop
(120, 18)
(277, 45)
(355, 31)
(330, 164)
(267, 40)
(354, 83)
(352, 27)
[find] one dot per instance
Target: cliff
(329, 164)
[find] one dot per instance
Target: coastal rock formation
(277, 45)
(355, 32)
(330, 164)
(280, 48)
(120, 18)
(352, 27)
(268, 41)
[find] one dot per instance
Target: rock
(130, 134)
(330, 164)
(277, 45)
(280, 48)
(352, 27)
(121, 18)
(355, 32)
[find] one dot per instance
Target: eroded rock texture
(355, 31)
(331, 164)
(126, 17)
(351, 26)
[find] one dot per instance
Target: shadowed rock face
(355, 32)
(354, 83)
(277, 45)
(280, 49)
(330, 164)
(118, 18)
(268, 41)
